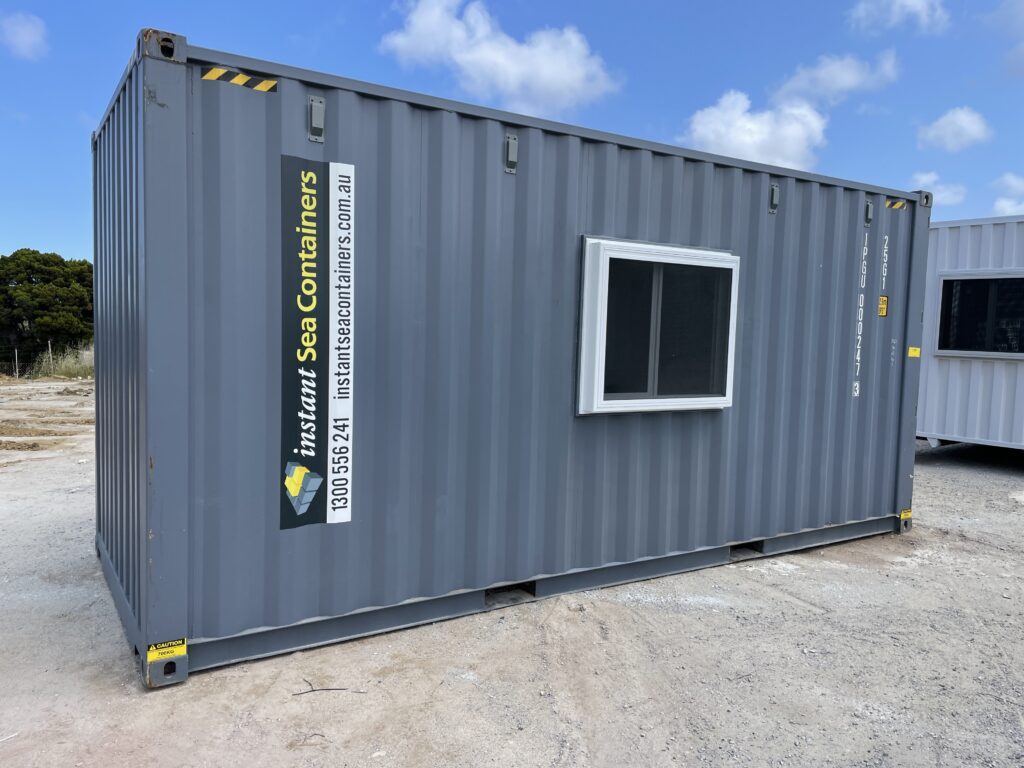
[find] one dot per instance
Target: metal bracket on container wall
(317, 115)
(774, 195)
(869, 212)
(162, 45)
(511, 153)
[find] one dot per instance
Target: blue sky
(902, 93)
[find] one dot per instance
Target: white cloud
(957, 129)
(550, 71)
(942, 193)
(1008, 206)
(1011, 203)
(786, 135)
(835, 77)
(930, 16)
(870, 109)
(14, 115)
(1009, 19)
(24, 35)
(789, 132)
(1010, 13)
(85, 119)
(1011, 184)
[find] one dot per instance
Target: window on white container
(658, 327)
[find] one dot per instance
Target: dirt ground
(891, 651)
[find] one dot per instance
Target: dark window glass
(982, 315)
(1008, 330)
(693, 339)
(964, 314)
(668, 330)
(628, 340)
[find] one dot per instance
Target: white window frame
(597, 252)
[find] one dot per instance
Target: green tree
(44, 297)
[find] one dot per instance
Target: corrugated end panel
(971, 399)
(118, 309)
(470, 466)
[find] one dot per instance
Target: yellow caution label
(905, 514)
(168, 649)
(233, 76)
(913, 351)
(883, 306)
(896, 205)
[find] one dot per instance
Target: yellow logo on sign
(914, 352)
(300, 485)
(293, 482)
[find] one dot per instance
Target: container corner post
(163, 664)
(158, 44)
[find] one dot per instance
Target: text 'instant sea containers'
(365, 356)
(972, 367)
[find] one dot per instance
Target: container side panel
(963, 397)
(470, 465)
(119, 363)
(166, 324)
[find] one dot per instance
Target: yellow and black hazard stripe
(233, 76)
(896, 205)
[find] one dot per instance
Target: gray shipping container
(366, 357)
(972, 367)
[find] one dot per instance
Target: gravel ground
(891, 651)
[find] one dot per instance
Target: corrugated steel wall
(120, 369)
(470, 466)
(963, 397)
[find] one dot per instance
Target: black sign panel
(305, 292)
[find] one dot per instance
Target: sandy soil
(892, 651)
